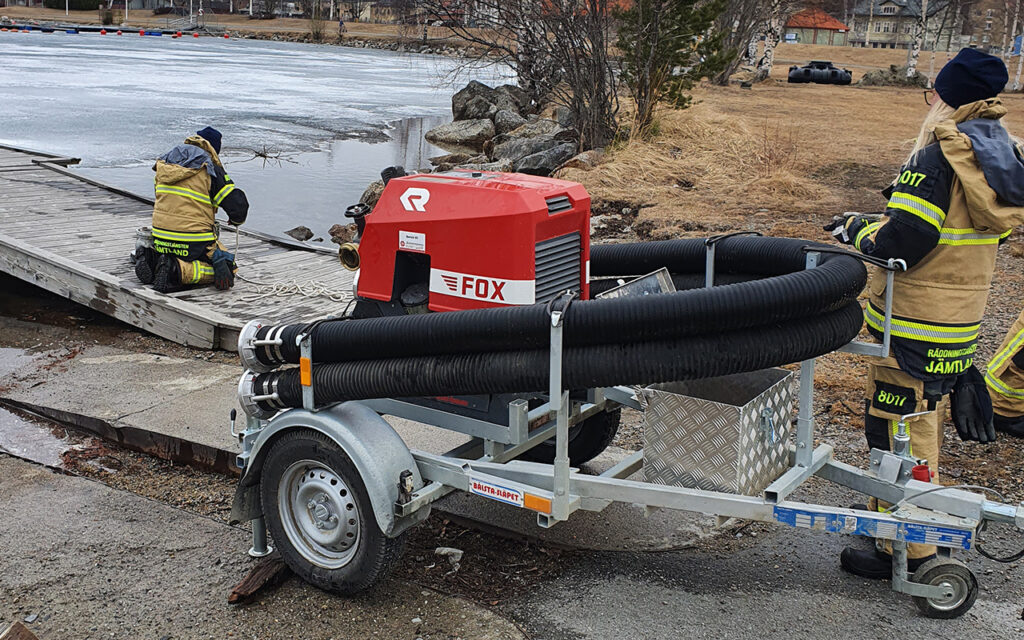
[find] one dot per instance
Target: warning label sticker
(410, 241)
(496, 492)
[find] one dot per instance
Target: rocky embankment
(386, 44)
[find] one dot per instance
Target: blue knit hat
(212, 136)
(969, 77)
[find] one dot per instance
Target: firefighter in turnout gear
(1005, 381)
(960, 192)
(190, 186)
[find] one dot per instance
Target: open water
(330, 117)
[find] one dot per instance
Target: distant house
(814, 26)
(890, 24)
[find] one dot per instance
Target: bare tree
(737, 24)
(776, 13)
(557, 48)
(920, 32)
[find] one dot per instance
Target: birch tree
(777, 12)
(920, 33)
(1009, 34)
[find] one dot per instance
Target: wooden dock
(73, 236)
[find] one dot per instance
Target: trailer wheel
(319, 514)
(950, 573)
(586, 440)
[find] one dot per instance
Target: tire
(586, 440)
(953, 573)
(350, 553)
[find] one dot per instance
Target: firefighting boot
(874, 564)
(168, 274)
(145, 264)
(1010, 426)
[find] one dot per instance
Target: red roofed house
(814, 26)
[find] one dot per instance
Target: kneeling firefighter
(190, 185)
(1005, 380)
(960, 192)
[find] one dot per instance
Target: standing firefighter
(960, 191)
(190, 185)
(1005, 380)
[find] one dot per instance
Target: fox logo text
(474, 287)
(414, 199)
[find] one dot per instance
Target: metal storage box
(729, 433)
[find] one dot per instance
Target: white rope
(292, 287)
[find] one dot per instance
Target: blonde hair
(939, 113)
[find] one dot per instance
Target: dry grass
(778, 158)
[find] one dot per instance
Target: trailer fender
(375, 448)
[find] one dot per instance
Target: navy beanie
(969, 77)
(212, 136)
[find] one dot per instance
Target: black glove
(846, 227)
(971, 407)
(223, 269)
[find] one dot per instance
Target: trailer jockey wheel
(586, 440)
(953, 574)
(319, 514)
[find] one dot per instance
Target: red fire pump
(469, 239)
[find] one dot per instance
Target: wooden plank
(179, 321)
(18, 631)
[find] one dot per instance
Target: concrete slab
(190, 399)
(82, 560)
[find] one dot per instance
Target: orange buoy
(178, 34)
(118, 32)
(195, 35)
(226, 36)
(142, 32)
(103, 32)
(3, 28)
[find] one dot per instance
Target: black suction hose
(702, 356)
(779, 289)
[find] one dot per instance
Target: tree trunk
(751, 57)
(871, 16)
(919, 35)
(1013, 32)
(1016, 77)
(772, 34)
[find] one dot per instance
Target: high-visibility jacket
(1005, 374)
(947, 212)
(190, 186)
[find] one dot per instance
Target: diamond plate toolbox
(729, 433)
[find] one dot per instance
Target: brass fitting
(348, 253)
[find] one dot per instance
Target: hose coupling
(348, 253)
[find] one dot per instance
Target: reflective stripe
(865, 232)
(223, 193)
(997, 385)
(184, 236)
(200, 269)
(921, 331)
(965, 237)
(182, 191)
(1011, 348)
(919, 207)
(1005, 234)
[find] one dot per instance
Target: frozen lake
(333, 116)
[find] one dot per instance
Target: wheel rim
(318, 513)
(957, 585)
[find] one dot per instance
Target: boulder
(451, 158)
(563, 116)
(300, 233)
(478, 108)
(584, 161)
(513, 95)
(372, 193)
(518, 148)
(342, 233)
(506, 120)
(462, 135)
(462, 160)
(537, 128)
(498, 165)
(462, 98)
(544, 162)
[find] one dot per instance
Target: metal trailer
(354, 463)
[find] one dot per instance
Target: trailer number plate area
(875, 527)
(496, 492)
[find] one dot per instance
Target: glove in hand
(223, 269)
(971, 408)
(845, 228)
